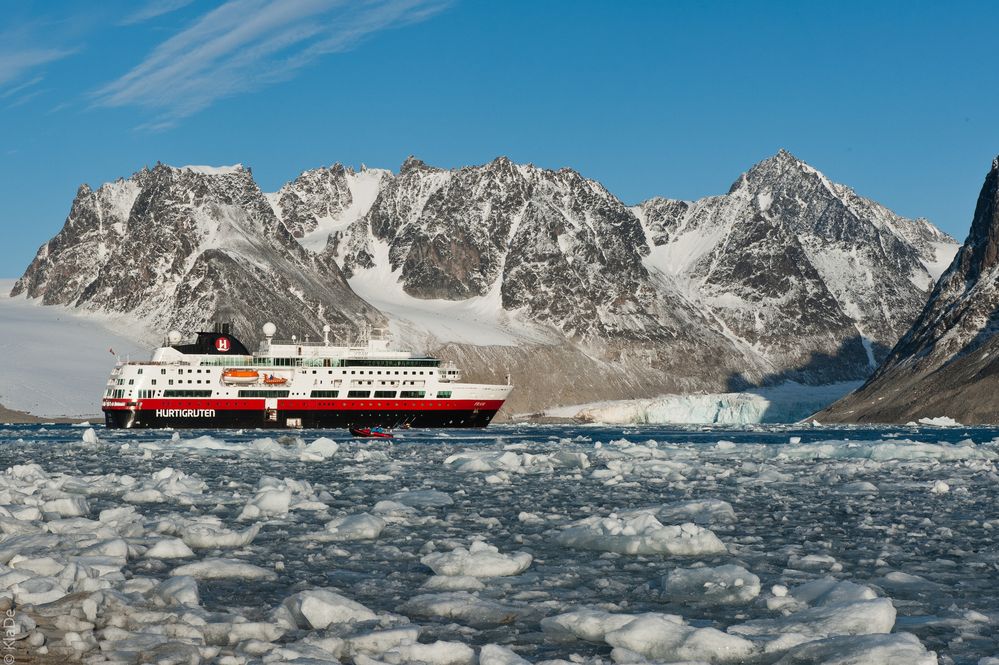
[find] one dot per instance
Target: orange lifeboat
(275, 380)
(240, 376)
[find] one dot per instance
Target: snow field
(600, 546)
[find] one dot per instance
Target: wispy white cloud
(153, 8)
(20, 87)
(245, 45)
(16, 62)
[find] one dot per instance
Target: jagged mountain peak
(414, 164)
(946, 363)
(983, 238)
(176, 247)
(775, 171)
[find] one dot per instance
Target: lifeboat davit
(370, 433)
(273, 380)
(240, 376)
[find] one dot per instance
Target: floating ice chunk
(453, 583)
(494, 654)
(665, 637)
(217, 568)
(110, 547)
(940, 487)
(89, 435)
(148, 495)
(828, 591)
(463, 607)
(422, 498)
(68, 506)
(723, 585)
(862, 617)
(484, 461)
(813, 562)
(379, 641)
(169, 548)
(37, 590)
(479, 560)
(899, 582)
(641, 534)
(44, 565)
(320, 608)
(362, 526)
(587, 624)
(572, 460)
(703, 511)
(167, 483)
(435, 653)
(268, 502)
(858, 487)
(180, 590)
(940, 421)
(894, 649)
(323, 447)
(212, 535)
(394, 510)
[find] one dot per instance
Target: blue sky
(897, 100)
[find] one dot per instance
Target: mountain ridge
(786, 277)
(943, 365)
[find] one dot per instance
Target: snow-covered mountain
(945, 365)
(818, 280)
(324, 200)
(178, 247)
(801, 278)
(511, 267)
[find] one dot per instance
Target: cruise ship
(216, 382)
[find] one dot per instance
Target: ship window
(163, 371)
(263, 393)
(154, 382)
(359, 393)
(187, 393)
(384, 393)
(170, 382)
(140, 370)
(444, 393)
(131, 382)
(412, 393)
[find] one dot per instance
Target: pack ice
(588, 545)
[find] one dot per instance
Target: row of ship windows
(396, 372)
(351, 394)
(131, 382)
(170, 382)
(233, 361)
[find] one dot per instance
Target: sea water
(548, 541)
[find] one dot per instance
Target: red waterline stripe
(316, 404)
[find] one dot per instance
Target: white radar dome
(269, 329)
(327, 328)
(174, 337)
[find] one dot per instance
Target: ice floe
(640, 534)
(479, 560)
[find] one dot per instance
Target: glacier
(785, 403)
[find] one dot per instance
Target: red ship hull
(297, 413)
